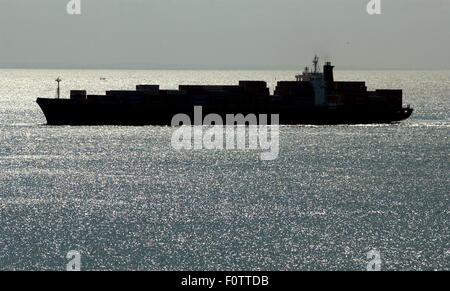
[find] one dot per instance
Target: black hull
(73, 112)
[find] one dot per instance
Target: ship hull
(75, 112)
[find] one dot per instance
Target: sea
(339, 197)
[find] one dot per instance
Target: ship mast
(58, 80)
(316, 63)
(307, 74)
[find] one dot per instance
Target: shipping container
(100, 98)
(253, 84)
(78, 94)
(394, 98)
(192, 88)
(125, 93)
(147, 88)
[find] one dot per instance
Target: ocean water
(126, 200)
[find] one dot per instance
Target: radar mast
(315, 63)
(58, 80)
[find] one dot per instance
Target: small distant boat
(313, 98)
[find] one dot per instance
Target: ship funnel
(328, 75)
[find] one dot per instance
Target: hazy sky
(215, 34)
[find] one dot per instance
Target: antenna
(315, 62)
(58, 89)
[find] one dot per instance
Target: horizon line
(210, 68)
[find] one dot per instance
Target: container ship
(314, 97)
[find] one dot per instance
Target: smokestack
(328, 75)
